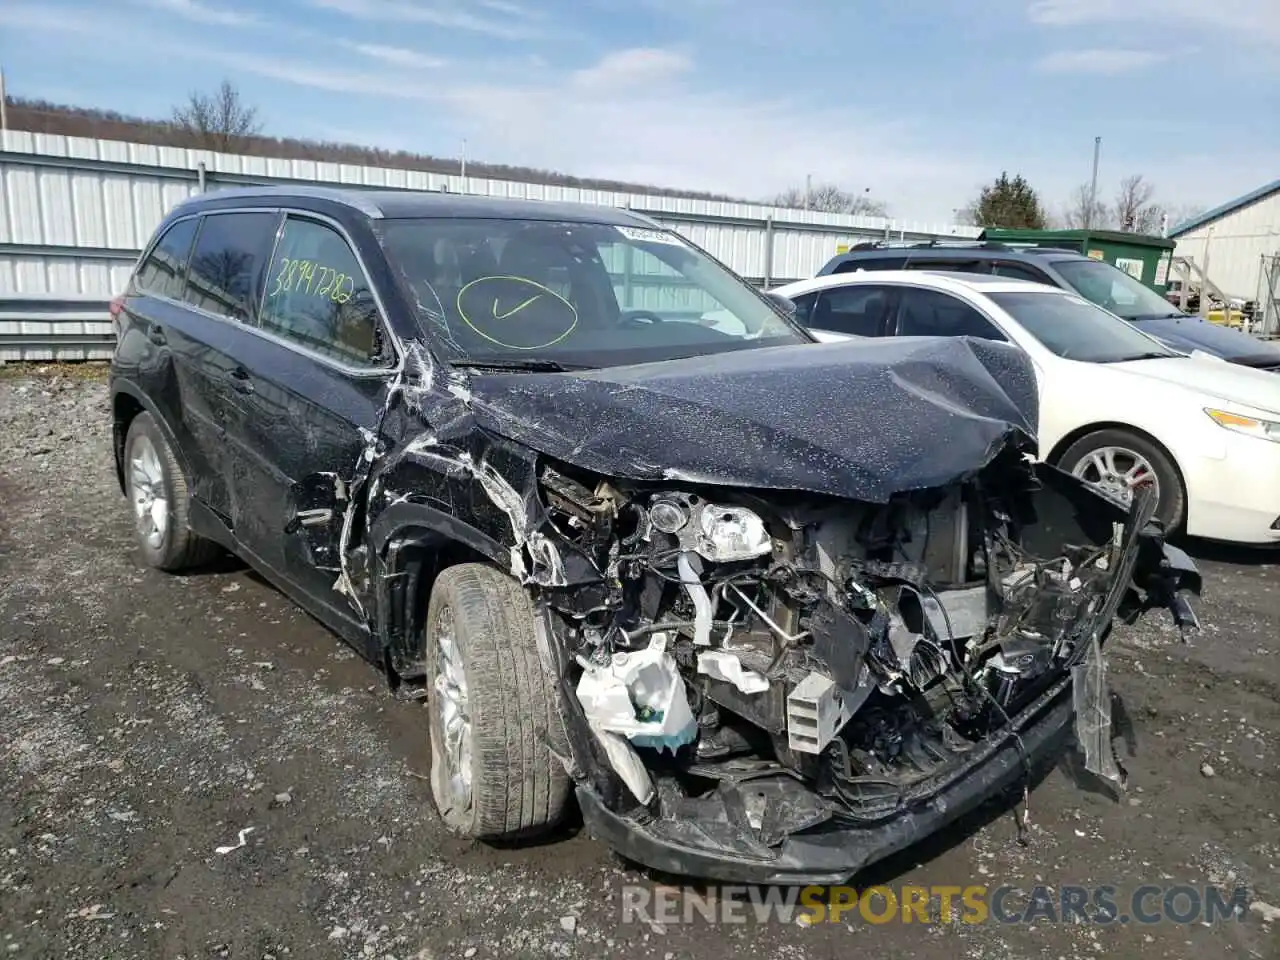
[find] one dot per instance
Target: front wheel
(1119, 462)
(494, 709)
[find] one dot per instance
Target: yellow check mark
(513, 311)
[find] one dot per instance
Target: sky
(916, 102)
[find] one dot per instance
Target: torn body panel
(784, 646)
(878, 671)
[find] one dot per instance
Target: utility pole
(808, 185)
(464, 161)
(1093, 185)
(4, 105)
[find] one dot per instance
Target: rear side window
(229, 251)
(871, 263)
(860, 310)
(317, 296)
(938, 265)
(930, 313)
(1019, 271)
(163, 273)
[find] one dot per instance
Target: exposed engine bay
(845, 659)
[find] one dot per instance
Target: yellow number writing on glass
(343, 295)
(323, 285)
(284, 268)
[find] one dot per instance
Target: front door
(317, 378)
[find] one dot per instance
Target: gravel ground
(147, 720)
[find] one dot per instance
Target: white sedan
(1117, 408)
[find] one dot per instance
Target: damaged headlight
(668, 516)
(716, 532)
(731, 533)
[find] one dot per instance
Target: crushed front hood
(863, 419)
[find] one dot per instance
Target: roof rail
(1016, 246)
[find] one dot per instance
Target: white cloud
(1107, 61)
(1259, 19)
(200, 13)
(439, 13)
(661, 130)
(399, 56)
(319, 77)
(637, 66)
(645, 115)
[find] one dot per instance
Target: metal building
(1237, 247)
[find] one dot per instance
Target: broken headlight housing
(717, 532)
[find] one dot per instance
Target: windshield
(527, 291)
(1113, 289)
(1076, 329)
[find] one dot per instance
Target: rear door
(208, 333)
(144, 356)
(859, 310)
(316, 382)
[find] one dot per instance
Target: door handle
(240, 380)
(156, 335)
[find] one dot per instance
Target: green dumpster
(1146, 259)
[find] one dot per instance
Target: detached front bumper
(834, 852)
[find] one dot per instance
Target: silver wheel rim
(146, 491)
(1117, 471)
(453, 715)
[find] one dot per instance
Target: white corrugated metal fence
(74, 214)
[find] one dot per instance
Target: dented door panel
(308, 427)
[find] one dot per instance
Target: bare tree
(218, 121)
(1134, 211)
(1180, 213)
(829, 198)
(1085, 210)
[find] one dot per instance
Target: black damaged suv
(771, 609)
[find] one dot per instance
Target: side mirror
(784, 304)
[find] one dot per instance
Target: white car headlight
(715, 531)
(1250, 426)
(731, 533)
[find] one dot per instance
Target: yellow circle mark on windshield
(506, 307)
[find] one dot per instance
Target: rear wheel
(157, 493)
(1120, 462)
(494, 709)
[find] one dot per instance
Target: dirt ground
(147, 720)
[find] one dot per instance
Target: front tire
(157, 492)
(494, 710)
(1119, 461)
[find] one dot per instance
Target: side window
(949, 266)
(316, 295)
(870, 263)
(229, 252)
(1019, 271)
(164, 271)
(931, 313)
(804, 308)
(859, 310)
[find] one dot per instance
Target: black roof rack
(956, 245)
